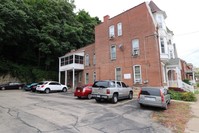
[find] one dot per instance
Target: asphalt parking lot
(27, 112)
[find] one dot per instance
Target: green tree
(36, 32)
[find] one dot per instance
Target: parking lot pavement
(26, 112)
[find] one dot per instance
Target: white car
(48, 86)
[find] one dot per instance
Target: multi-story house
(135, 46)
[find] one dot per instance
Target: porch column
(66, 78)
(59, 76)
(73, 78)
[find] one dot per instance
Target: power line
(188, 33)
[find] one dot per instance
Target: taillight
(139, 93)
(108, 91)
(42, 86)
(162, 96)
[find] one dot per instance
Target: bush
(184, 96)
(198, 85)
(187, 81)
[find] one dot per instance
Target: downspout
(160, 66)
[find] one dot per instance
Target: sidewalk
(193, 124)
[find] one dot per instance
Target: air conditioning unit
(135, 52)
(112, 37)
(137, 80)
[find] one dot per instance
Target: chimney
(106, 18)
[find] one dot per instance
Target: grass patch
(175, 117)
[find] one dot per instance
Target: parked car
(154, 96)
(48, 86)
(11, 85)
(83, 91)
(30, 87)
(111, 90)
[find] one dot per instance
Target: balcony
(73, 61)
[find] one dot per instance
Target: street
(27, 112)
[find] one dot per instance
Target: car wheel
(130, 95)
(47, 91)
(3, 88)
(165, 107)
(114, 98)
(89, 96)
(64, 89)
(141, 105)
(98, 100)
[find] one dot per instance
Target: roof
(174, 61)
(155, 8)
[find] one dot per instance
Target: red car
(84, 91)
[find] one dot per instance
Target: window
(94, 76)
(87, 60)
(160, 21)
(171, 54)
(113, 52)
(94, 59)
(119, 84)
(62, 61)
(137, 74)
(135, 47)
(119, 29)
(86, 78)
(162, 45)
(111, 31)
(123, 84)
(118, 74)
(78, 59)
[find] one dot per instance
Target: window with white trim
(111, 31)
(86, 78)
(135, 47)
(94, 77)
(113, 52)
(162, 45)
(87, 60)
(137, 74)
(119, 29)
(118, 74)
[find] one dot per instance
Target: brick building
(135, 47)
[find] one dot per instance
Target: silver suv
(154, 96)
(111, 90)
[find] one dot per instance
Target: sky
(182, 19)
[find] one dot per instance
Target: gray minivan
(154, 96)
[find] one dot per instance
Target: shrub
(184, 96)
(187, 81)
(188, 96)
(197, 84)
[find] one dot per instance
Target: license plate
(98, 95)
(149, 99)
(78, 91)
